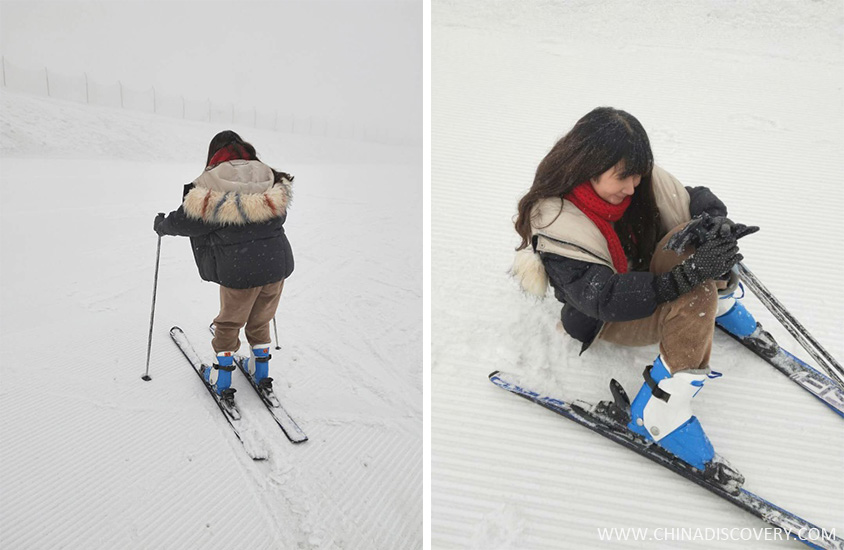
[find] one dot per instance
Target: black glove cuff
(665, 288)
(684, 276)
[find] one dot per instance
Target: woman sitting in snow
(234, 214)
(636, 259)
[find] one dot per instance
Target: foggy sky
(354, 60)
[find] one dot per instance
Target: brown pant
(253, 307)
(683, 328)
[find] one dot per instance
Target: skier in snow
(234, 214)
(636, 259)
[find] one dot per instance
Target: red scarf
(602, 213)
(232, 151)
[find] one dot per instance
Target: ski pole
(275, 330)
(798, 331)
(146, 376)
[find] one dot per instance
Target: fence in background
(83, 89)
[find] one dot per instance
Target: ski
(603, 419)
(241, 428)
(289, 426)
(791, 324)
(268, 397)
(815, 382)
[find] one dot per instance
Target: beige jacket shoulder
(561, 228)
(572, 234)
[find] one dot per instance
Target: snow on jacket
(572, 255)
(234, 215)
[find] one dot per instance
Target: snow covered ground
(744, 97)
(92, 456)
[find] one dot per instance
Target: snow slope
(744, 97)
(93, 457)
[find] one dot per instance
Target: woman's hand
(156, 224)
(704, 228)
(712, 259)
(722, 226)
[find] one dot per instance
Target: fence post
(47, 76)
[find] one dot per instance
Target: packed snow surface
(742, 97)
(94, 457)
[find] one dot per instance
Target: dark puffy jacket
(592, 294)
(234, 215)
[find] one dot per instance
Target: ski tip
(298, 441)
(494, 373)
(146, 378)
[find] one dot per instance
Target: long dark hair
(228, 137)
(599, 141)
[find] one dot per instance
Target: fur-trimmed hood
(238, 192)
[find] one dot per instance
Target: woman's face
(612, 188)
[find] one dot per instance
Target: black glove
(705, 227)
(722, 226)
(156, 225)
(711, 260)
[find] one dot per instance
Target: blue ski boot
(662, 413)
(734, 318)
(219, 376)
(257, 365)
